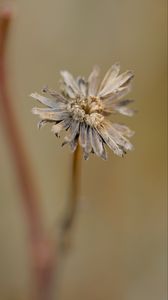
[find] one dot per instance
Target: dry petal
(82, 108)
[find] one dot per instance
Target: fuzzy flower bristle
(82, 107)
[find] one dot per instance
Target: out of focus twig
(42, 249)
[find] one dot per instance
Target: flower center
(86, 109)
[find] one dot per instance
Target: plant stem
(72, 201)
(41, 248)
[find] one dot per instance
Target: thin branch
(42, 250)
(27, 183)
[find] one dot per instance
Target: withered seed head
(82, 107)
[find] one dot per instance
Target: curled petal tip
(131, 73)
(44, 89)
(35, 111)
(33, 95)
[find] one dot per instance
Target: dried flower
(82, 107)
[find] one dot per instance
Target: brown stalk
(66, 226)
(69, 217)
(41, 248)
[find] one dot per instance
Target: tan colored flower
(82, 108)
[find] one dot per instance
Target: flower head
(82, 107)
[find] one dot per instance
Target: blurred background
(118, 250)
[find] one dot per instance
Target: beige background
(119, 247)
